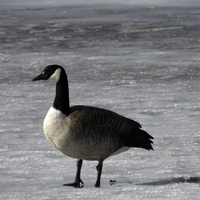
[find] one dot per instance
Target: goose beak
(40, 77)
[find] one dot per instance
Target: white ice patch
(55, 77)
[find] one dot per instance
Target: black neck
(61, 101)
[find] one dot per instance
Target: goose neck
(61, 101)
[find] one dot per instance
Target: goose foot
(75, 184)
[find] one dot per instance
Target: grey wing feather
(128, 130)
(102, 117)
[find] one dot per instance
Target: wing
(128, 130)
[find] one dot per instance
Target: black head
(51, 73)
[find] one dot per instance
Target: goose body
(87, 133)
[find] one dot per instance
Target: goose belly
(87, 150)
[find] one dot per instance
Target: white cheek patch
(55, 77)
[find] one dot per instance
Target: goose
(86, 132)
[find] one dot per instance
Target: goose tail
(138, 138)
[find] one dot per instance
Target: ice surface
(142, 62)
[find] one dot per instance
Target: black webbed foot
(75, 184)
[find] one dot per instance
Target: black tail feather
(138, 138)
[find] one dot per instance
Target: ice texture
(139, 61)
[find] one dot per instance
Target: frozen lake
(141, 61)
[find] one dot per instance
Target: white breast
(53, 126)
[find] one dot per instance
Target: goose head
(50, 73)
(58, 75)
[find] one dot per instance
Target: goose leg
(77, 182)
(99, 170)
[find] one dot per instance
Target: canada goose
(87, 133)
